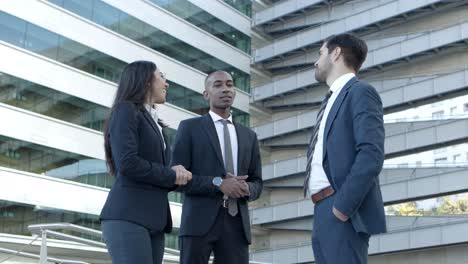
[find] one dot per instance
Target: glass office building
(59, 68)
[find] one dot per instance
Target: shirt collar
(153, 110)
(339, 83)
(216, 117)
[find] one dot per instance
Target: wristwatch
(217, 181)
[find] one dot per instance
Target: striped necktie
(313, 140)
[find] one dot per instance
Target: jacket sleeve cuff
(171, 177)
(340, 206)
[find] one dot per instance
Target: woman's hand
(182, 175)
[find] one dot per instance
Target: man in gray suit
(345, 157)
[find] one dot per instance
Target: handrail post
(43, 255)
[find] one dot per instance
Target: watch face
(217, 181)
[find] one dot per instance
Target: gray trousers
(131, 243)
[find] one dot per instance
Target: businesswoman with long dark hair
(137, 214)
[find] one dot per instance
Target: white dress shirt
(232, 133)
(153, 111)
(318, 178)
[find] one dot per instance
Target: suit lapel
(167, 152)
(241, 141)
(156, 129)
(209, 127)
(334, 111)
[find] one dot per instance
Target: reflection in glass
(26, 156)
(244, 6)
(16, 217)
(79, 56)
(42, 100)
(56, 47)
(207, 22)
(137, 30)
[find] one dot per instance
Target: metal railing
(14, 253)
(56, 230)
(418, 45)
(51, 230)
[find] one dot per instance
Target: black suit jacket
(197, 148)
(143, 178)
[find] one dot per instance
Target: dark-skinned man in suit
(224, 159)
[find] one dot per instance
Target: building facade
(60, 62)
(417, 61)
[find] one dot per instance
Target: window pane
(34, 158)
(73, 54)
(43, 100)
(207, 22)
(131, 27)
(41, 41)
(97, 63)
(16, 217)
(105, 15)
(135, 29)
(84, 7)
(12, 29)
(26, 156)
(244, 6)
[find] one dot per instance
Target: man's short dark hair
(211, 74)
(353, 48)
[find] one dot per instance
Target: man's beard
(320, 76)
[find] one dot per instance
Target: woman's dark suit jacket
(143, 178)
